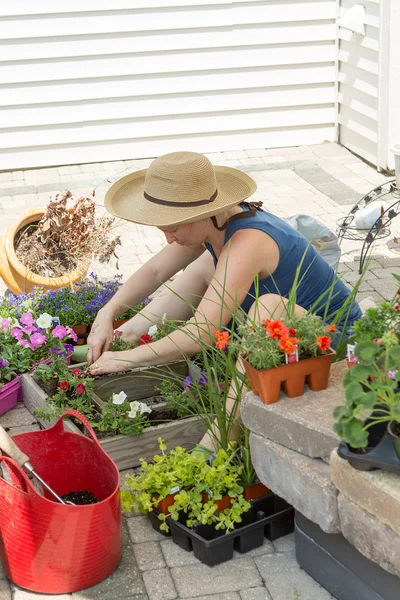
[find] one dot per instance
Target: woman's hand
(111, 362)
(100, 337)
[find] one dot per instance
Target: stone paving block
(377, 492)
(39, 176)
(18, 417)
(303, 424)
(302, 481)
(227, 596)
(175, 556)
(24, 200)
(125, 582)
(232, 576)
(213, 156)
(375, 540)
(159, 585)
(140, 530)
(257, 152)
(285, 544)
(256, 593)
(251, 161)
(266, 548)
(18, 175)
(5, 591)
(6, 176)
(149, 556)
(15, 188)
(285, 580)
(69, 169)
(235, 154)
(273, 160)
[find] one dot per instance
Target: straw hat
(178, 188)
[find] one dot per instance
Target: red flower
(76, 372)
(80, 389)
(276, 329)
(145, 339)
(64, 385)
(288, 344)
(331, 328)
(323, 342)
(397, 307)
(118, 333)
(398, 292)
(222, 338)
(292, 332)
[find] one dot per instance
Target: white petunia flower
(152, 330)
(144, 408)
(119, 398)
(138, 407)
(44, 321)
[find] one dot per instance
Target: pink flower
(27, 319)
(59, 331)
(5, 323)
(29, 329)
(80, 389)
(26, 344)
(17, 333)
(72, 334)
(38, 339)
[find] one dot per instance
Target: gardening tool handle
(9, 447)
(83, 420)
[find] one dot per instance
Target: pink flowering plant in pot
(28, 341)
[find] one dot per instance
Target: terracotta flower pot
(165, 503)
(222, 504)
(119, 322)
(16, 276)
(82, 331)
(252, 492)
(267, 383)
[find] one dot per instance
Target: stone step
(303, 424)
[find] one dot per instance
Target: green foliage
(369, 385)
(115, 418)
(196, 485)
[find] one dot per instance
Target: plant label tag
(55, 321)
(175, 489)
(292, 358)
(350, 353)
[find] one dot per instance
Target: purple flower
(5, 323)
(17, 333)
(392, 374)
(4, 363)
(203, 379)
(27, 319)
(69, 348)
(187, 382)
(59, 331)
(29, 329)
(38, 339)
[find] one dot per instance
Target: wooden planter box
(127, 450)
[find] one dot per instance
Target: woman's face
(191, 235)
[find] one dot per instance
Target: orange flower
(276, 329)
(265, 322)
(331, 328)
(222, 338)
(323, 342)
(288, 344)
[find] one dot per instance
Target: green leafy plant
(121, 416)
(370, 391)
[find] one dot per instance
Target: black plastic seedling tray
(380, 455)
(270, 516)
(155, 522)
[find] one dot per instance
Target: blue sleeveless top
(316, 275)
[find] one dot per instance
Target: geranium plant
(267, 344)
(370, 391)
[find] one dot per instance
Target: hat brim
(125, 199)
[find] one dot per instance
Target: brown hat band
(169, 203)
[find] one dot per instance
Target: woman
(223, 244)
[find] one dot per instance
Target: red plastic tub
(50, 547)
(9, 394)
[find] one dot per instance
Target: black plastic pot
(380, 454)
(270, 516)
(155, 522)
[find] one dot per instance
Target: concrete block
(5, 591)
(149, 556)
(232, 576)
(257, 152)
(39, 176)
(375, 540)
(159, 585)
(377, 492)
(257, 593)
(20, 594)
(235, 154)
(302, 481)
(285, 580)
(302, 424)
(285, 544)
(175, 556)
(140, 530)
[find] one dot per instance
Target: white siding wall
(359, 86)
(86, 81)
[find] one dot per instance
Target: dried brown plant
(66, 238)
